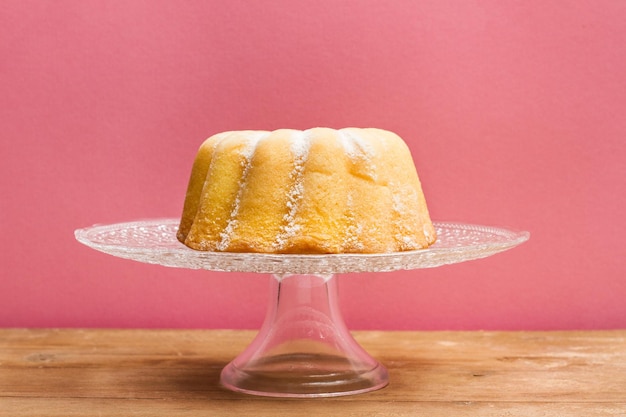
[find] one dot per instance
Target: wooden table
(176, 373)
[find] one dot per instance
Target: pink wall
(514, 110)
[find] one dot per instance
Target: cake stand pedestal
(303, 348)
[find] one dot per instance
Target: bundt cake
(315, 191)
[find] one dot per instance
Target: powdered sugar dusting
(348, 144)
(352, 239)
(360, 152)
(300, 145)
(246, 153)
(400, 210)
(426, 231)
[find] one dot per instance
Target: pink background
(514, 111)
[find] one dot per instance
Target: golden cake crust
(315, 191)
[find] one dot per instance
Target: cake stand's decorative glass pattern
(154, 241)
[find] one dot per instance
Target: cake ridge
(300, 146)
(352, 238)
(362, 156)
(247, 154)
(197, 183)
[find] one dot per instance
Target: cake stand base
(304, 348)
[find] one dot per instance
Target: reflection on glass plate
(154, 241)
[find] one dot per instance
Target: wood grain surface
(70, 372)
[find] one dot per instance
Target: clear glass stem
(304, 348)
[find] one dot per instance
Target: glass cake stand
(304, 348)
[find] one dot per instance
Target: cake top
(356, 142)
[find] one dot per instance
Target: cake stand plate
(303, 348)
(154, 241)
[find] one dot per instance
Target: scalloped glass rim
(154, 241)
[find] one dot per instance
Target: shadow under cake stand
(303, 348)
